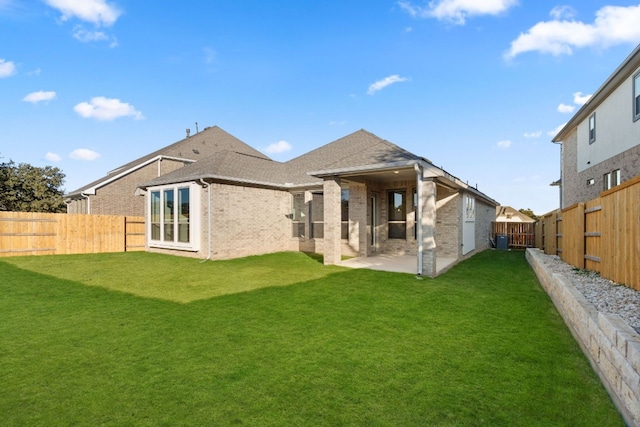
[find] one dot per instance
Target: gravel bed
(605, 295)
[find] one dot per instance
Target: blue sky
(479, 87)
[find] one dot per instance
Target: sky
(478, 87)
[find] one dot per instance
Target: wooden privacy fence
(26, 233)
(602, 234)
(520, 234)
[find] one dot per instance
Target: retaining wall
(612, 346)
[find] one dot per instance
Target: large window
(636, 97)
(592, 128)
(171, 224)
(397, 214)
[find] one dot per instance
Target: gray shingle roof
(358, 149)
(196, 147)
(361, 148)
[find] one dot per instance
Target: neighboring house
(114, 194)
(357, 196)
(601, 143)
(509, 214)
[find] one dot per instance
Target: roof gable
(191, 149)
(361, 148)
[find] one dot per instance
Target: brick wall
(248, 221)
(575, 188)
(448, 223)
(485, 215)
(118, 197)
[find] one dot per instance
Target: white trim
(92, 190)
(194, 217)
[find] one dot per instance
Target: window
(171, 224)
(607, 181)
(344, 209)
(397, 215)
(615, 177)
(592, 128)
(317, 216)
(636, 97)
(415, 214)
(297, 215)
(590, 181)
(611, 179)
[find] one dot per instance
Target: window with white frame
(173, 212)
(592, 128)
(615, 177)
(606, 179)
(636, 97)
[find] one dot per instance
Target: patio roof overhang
(401, 171)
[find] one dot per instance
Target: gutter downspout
(561, 183)
(205, 184)
(86, 196)
(418, 224)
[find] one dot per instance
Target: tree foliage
(26, 188)
(528, 212)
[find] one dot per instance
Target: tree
(528, 212)
(26, 188)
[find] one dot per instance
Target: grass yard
(282, 340)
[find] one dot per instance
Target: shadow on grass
(478, 345)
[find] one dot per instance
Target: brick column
(332, 221)
(428, 225)
(358, 218)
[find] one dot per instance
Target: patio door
(372, 219)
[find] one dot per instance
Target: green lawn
(281, 340)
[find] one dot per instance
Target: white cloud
(35, 72)
(536, 134)
(612, 25)
(84, 154)
(52, 157)
(381, 84)
(457, 11)
(504, 144)
(560, 12)
(580, 99)
(555, 131)
(337, 123)
(278, 147)
(87, 36)
(40, 96)
(564, 108)
(102, 108)
(7, 68)
(98, 12)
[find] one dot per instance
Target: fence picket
(25, 233)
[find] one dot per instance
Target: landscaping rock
(605, 295)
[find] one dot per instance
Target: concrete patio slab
(395, 263)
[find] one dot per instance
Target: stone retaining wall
(612, 346)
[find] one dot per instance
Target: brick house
(114, 194)
(601, 142)
(359, 196)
